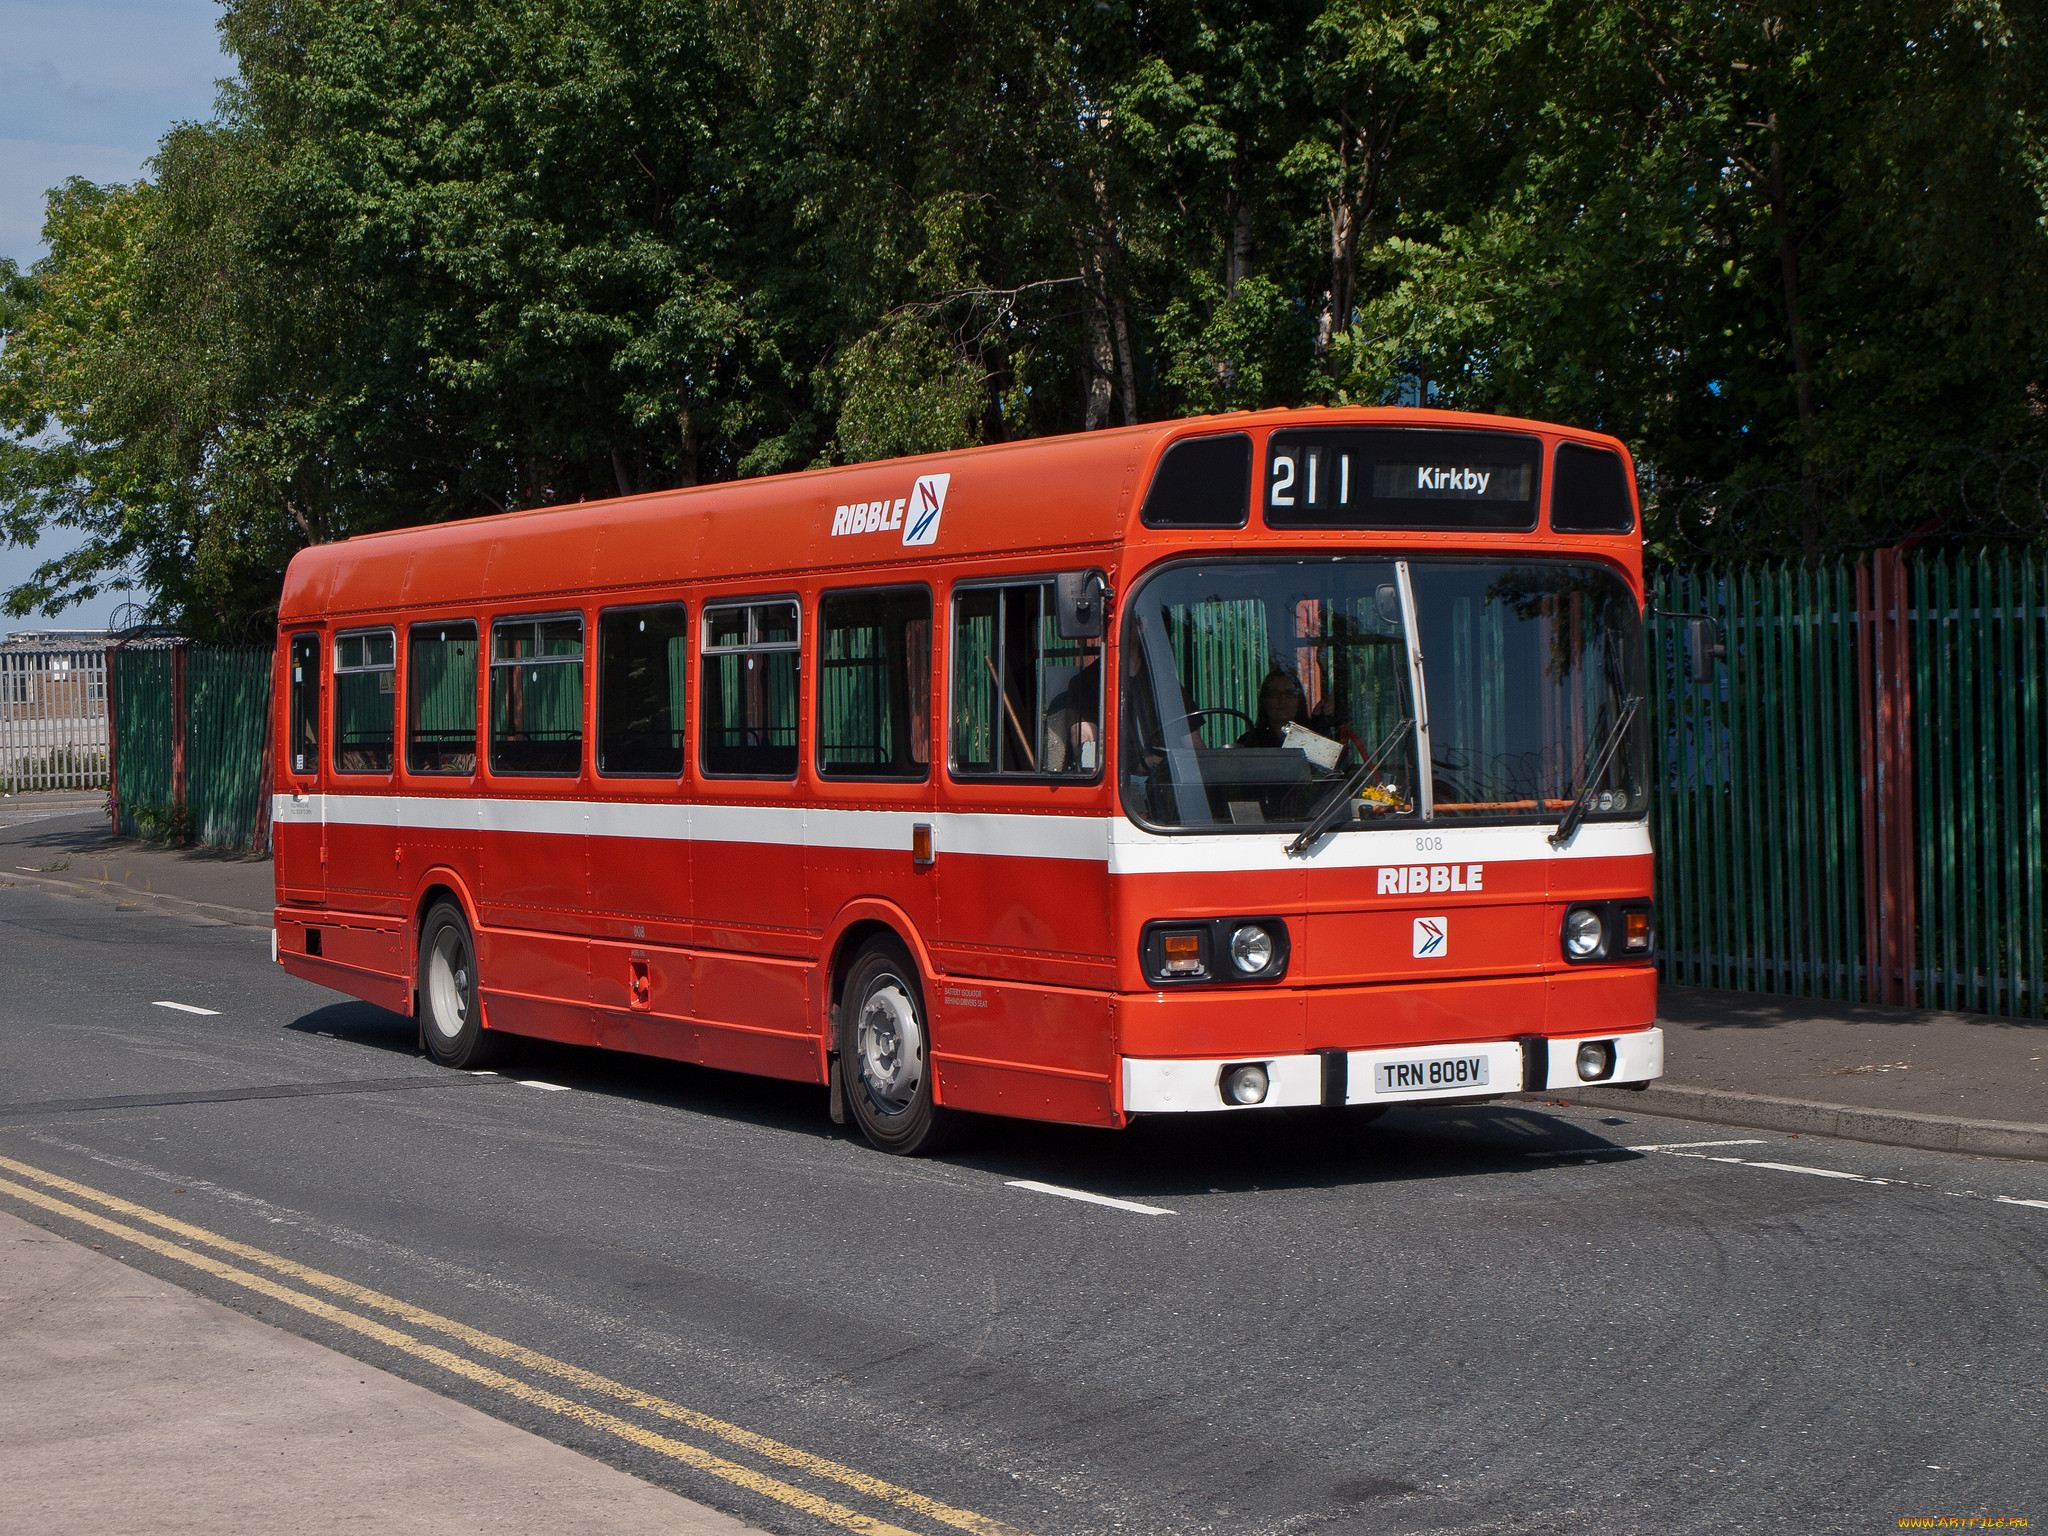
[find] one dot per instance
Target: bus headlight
(1596, 1061)
(1584, 934)
(1251, 949)
(1214, 951)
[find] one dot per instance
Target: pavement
(134, 1405)
(1895, 1076)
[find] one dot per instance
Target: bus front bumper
(1481, 1069)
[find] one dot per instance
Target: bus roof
(1070, 493)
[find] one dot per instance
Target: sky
(87, 88)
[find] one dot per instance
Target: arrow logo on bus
(927, 501)
(1430, 938)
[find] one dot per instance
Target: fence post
(113, 734)
(178, 726)
(1884, 699)
(1897, 806)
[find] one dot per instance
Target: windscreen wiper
(1341, 801)
(1576, 811)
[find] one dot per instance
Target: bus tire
(451, 1019)
(885, 1054)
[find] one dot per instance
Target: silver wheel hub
(448, 984)
(891, 1045)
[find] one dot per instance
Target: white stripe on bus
(1123, 846)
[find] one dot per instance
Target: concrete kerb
(108, 890)
(1763, 1112)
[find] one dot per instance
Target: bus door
(1022, 860)
(299, 818)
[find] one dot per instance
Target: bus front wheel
(451, 1018)
(885, 1053)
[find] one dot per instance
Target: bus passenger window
(305, 715)
(1025, 701)
(642, 668)
(537, 696)
(748, 722)
(874, 684)
(440, 698)
(365, 701)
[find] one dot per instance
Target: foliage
(431, 262)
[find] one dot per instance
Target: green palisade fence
(140, 683)
(1756, 808)
(226, 716)
(1771, 814)
(1979, 652)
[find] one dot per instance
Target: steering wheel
(1196, 714)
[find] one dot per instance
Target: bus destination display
(1410, 479)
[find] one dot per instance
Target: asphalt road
(1510, 1319)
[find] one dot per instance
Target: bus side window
(749, 698)
(440, 703)
(1025, 701)
(642, 670)
(537, 695)
(365, 701)
(305, 704)
(874, 684)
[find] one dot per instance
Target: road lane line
(210, 1013)
(817, 1466)
(550, 1087)
(1081, 1194)
(1819, 1173)
(1680, 1146)
(2039, 1205)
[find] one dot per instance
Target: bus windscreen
(1254, 690)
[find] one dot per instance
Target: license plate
(1431, 1072)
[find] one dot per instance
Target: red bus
(1279, 759)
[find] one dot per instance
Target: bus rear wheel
(451, 1019)
(885, 1053)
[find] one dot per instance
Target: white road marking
(1081, 1194)
(535, 1083)
(486, 1072)
(1822, 1173)
(211, 1013)
(2039, 1205)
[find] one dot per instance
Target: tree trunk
(1237, 260)
(1099, 366)
(686, 449)
(1128, 374)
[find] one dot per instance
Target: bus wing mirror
(1083, 598)
(1703, 643)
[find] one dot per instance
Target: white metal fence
(53, 715)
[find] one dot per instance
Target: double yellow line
(196, 1239)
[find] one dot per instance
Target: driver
(1280, 705)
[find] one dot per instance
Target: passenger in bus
(1073, 726)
